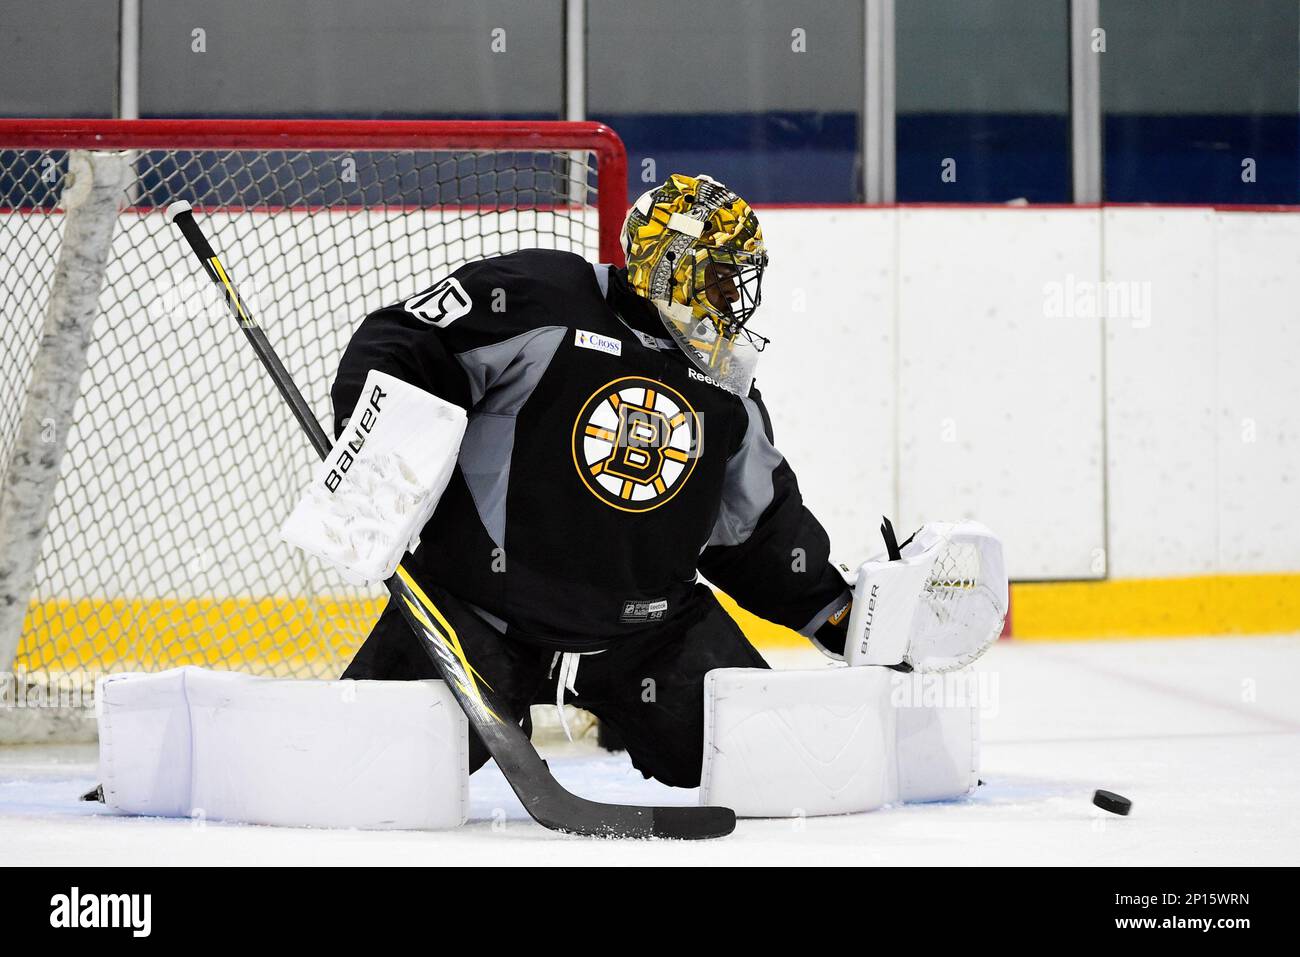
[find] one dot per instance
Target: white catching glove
(936, 607)
(379, 485)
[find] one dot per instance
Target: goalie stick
(543, 798)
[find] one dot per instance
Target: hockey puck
(1110, 801)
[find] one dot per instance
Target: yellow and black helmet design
(695, 249)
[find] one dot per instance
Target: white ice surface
(1202, 734)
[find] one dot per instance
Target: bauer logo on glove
(355, 435)
(379, 485)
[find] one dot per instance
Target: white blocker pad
(231, 747)
(380, 483)
(831, 741)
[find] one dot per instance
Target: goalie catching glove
(934, 604)
(379, 485)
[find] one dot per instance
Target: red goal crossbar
(435, 135)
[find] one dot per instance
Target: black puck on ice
(1110, 801)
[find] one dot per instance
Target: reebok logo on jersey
(591, 340)
(701, 377)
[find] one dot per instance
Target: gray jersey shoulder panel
(602, 278)
(510, 369)
(748, 488)
(502, 376)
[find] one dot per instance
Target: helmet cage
(720, 276)
(715, 336)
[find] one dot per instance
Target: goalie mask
(695, 249)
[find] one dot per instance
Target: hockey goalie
(581, 444)
(552, 454)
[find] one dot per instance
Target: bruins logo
(635, 443)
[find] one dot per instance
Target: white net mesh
(162, 546)
(957, 569)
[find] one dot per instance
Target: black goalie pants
(648, 690)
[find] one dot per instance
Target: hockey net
(146, 460)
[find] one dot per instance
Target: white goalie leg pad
(830, 741)
(381, 481)
(798, 743)
(937, 608)
(938, 724)
(230, 747)
(144, 743)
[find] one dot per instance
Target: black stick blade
(693, 823)
(553, 807)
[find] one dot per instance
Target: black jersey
(600, 472)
